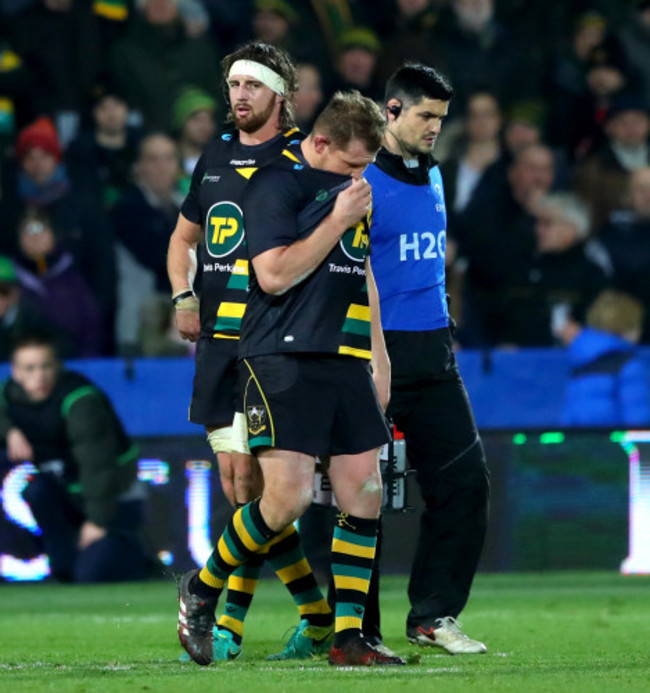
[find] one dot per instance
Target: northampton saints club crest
(256, 416)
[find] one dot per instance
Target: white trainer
(445, 633)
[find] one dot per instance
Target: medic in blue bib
(429, 403)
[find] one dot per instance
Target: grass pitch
(578, 632)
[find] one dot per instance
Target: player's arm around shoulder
(181, 268)
(280, 268)
(380, 359)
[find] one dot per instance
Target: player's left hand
(89, 534)
(188, 323)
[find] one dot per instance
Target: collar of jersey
(297, 153)
(393, 165)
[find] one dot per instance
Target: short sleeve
(191, 207)
(271, 205)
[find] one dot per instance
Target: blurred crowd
(105, 106)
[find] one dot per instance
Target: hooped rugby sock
(353, 553)
(241, 588)
(245, 535)
(286, 555)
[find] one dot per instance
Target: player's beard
(254, 121)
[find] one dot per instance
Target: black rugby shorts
(215, 382)
(317, 404)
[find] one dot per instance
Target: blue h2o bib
(408, 239)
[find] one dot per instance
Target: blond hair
(616, 312)
(350, 116)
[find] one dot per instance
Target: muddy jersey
(215, 202)
(327, 312)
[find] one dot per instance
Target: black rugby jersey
(215, 202)
(327, 312)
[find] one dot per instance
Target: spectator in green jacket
(85, 495)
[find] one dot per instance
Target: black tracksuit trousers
(430, 406)
(443, 446)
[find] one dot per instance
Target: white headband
(260, 72)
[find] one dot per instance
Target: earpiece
(395, 109)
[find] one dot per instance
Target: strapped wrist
(183, 293)
(186, 300)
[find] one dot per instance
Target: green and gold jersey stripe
(230, 313)
(357, 320)
(229, 316)
(357, 353)
(239, 277)
(355, 333)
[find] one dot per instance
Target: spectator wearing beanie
(193, 120)
(43, 177)
(356, 63)
(37, 180)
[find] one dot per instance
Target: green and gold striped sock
(353, 554)
(288, 559)
(241, 588)
(245, 535)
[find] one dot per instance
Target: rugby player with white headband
(260, 72)
(260, 81)
(260, 100)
